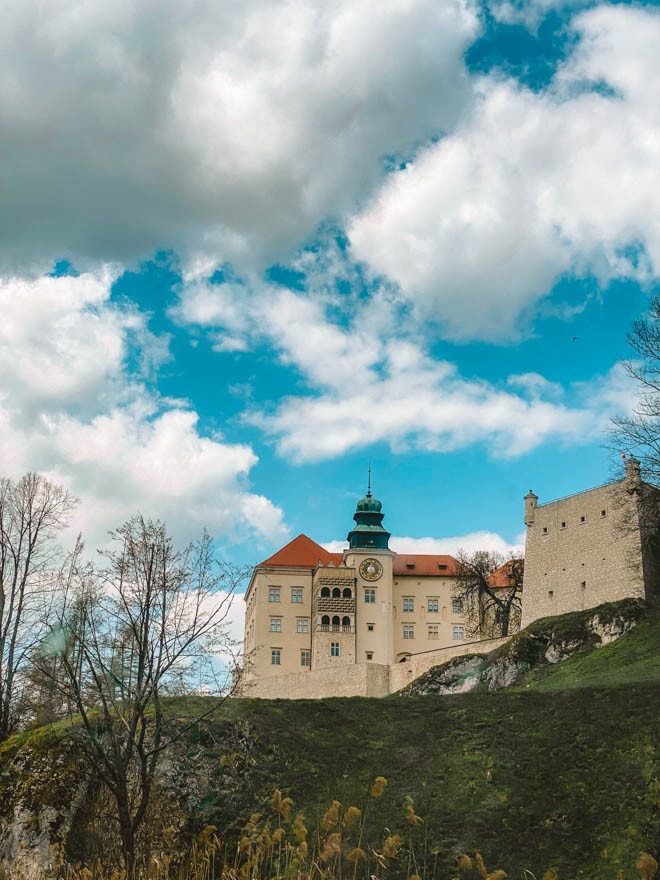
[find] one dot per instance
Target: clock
(370, 569)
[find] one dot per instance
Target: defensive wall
(360, 679)
(583, 550)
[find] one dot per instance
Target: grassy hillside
(562, 771)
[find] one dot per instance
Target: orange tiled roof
(302, 552)
(501, 577)
(424, 565)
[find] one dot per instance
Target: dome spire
(368, 532)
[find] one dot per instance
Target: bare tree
(639, 433)
(32, 511)
(490, 589)
(145, 623)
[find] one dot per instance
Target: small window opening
(545, 530)
(410, 565)
(370, 655)
(442, 566)
(584, 585)
(583, 519)
(603, 513)
(563, 524)
(551, 594)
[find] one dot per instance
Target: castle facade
(367, 621)
(359, 622)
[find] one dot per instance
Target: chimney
(633, 473)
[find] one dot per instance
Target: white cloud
(531, 12)
(447, 546)
(478, 227)
(414, 402)
(371, 382)
(223, 130)
(68, 409)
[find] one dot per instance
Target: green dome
(369, 503)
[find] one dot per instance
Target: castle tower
(531, 502)
(369, 554)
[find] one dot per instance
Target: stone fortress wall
(584, 550)
(360, 679)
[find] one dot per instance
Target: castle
(367, 621)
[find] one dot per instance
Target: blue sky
(249, 249)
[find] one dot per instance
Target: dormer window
(410, 565)
(442, 566)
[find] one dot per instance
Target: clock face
(371, 569)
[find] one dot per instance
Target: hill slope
(561, 771)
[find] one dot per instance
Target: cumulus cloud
(478, 227)
(531, 13)
(417, 403)
(229, 130)
(369, 383)
(68, 409)
(469, 543)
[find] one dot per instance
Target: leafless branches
(490, 587)
(143, 623)
(32, 512)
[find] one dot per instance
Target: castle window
(545, 530)
(276, 624)
(583, 519)
(334, 649)
(408, 631)
(335, 623)
(457, 606)
(409, 604)
(434, 631)
(370, 655)
(276, 656)
(551, 594)
(370, 627)
(325, 622)
(563, 524)
(603, 513)
(273, 594)
(325, 593)
(458, 633)
(584, 585)
(301, 625)
(370, 596)
(336, 593)
(432, 605)
(296, 594)
(348, 593)
(305, 657)
(346, 623)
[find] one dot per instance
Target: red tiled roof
(501, 577)
(424, 565)
(302, 552)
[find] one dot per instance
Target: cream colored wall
(380, 642)
(582, 563)
(358, 680)
(260, 639)
(421, 589)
